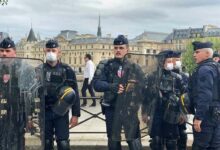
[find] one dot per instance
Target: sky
(129, 17)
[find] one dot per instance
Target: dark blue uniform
(106, 79)
(203, 93)
(162, 131)
(56, 77)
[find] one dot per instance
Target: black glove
(114, 87)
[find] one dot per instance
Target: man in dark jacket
(121, 81)
(61, 94)
(205, 97)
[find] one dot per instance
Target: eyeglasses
(119, 47)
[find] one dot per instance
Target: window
(70, 60)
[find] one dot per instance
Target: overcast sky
(130, 17)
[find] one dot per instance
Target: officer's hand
(73, 122)
(114, 87)
(145, 118)
(183, 119)
(30, 127)
(120, 89)
(197, 125)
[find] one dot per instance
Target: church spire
(99, 32)
(31, 35)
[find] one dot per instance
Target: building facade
(180, 38)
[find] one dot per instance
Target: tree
(3, 2)
(188, 60)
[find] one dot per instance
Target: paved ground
(82, 140)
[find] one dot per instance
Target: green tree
(3, 2)
(188, 60)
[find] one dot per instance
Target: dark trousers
(56, 125)
(182, 141)
(209, 137)
(134, 143)
(88, 86)
(162, 133)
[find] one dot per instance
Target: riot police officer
(61, 94)
(164, 88)
(182, 141)
(15, 113)
(119, 104)
(205, 96)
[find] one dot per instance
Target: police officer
(61, 94)
(164, 88)
(107, 79)
(205, 97)
(13, 117)
(182, 141)
(216, 57)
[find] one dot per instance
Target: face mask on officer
(169, 66)
(178, 65)
(50, 56)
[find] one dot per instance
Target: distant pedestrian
(87, 83)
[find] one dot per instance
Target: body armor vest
(54, 80)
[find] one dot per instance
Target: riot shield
(128, 123)
(21, 103)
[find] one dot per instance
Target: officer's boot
(114, 145)
(171, 144)
(63, 145)
(182, 141)
(156, 143)
(49, 145)
(93, 103)
(84, 103)
(135, 144)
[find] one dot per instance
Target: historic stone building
(74, 46)
(181, 37)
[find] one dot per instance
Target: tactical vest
(216, 88)
(166, 83)
(54, 79)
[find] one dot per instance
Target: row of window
(151, 51)
(109, 47)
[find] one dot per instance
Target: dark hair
(88, 56)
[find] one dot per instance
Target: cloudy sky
(130, 17)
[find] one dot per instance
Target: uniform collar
(206, 61)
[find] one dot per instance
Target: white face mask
(50, 56)
(178, 64)
(169, 66)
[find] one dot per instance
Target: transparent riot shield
(21, 104)
(128, 121)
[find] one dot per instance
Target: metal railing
(97, 115)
